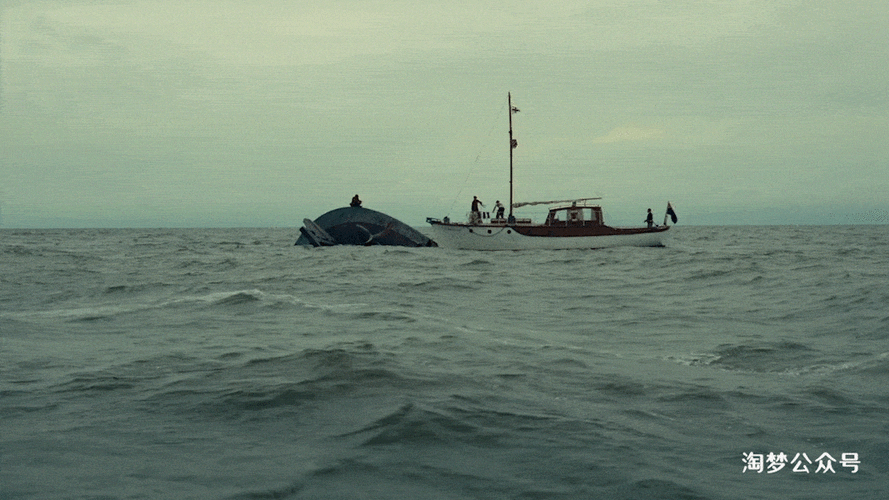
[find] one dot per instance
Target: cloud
(630, 133)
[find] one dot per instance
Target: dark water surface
(229, 364)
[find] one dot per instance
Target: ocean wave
(764, 357)
(410, 424)
(237, 298)
(416, 424)
(622, 388)
(291, 490)
(697, 395)
(879, 365)
(266, 398)
(830, 399)
(139, 377)
(97, 312)
(386, 316)
(79, 314)
(783, 358)
(657, 488)
(244, 384)
(445, 284)
(248, 298)
(97, 382)
(20, 250)
(85, 313)
(478, 263)
(867, 364)
(125, 290)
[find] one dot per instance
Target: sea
(735, 362)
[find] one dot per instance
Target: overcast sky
(264, 112)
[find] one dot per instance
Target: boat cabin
(574, 215)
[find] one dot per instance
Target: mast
(512, 145)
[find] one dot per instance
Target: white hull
(503, 238)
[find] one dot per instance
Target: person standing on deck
(650, 219)
(498, 209)
(475, 215)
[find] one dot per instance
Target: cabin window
(575, 214)
(596, 216)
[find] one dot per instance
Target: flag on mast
(671, 214)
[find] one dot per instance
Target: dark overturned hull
(360, 226)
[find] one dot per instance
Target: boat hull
(360, 226)
(493, 237)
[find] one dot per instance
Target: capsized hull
(502, 237)
(360, 226)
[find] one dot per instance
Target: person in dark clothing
(476, 203)
(355, 202)
(650, 219)
(475, 216)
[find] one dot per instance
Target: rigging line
(477, 158)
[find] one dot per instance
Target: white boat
(569, 224)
